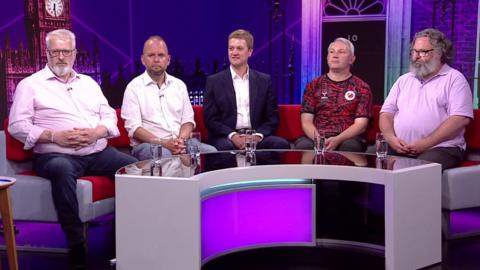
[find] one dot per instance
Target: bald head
(155, 58)
(154, 39)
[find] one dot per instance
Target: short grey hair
(63, 34)
(346, 42)
(438, 41)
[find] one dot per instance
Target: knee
(352, 146)
(206, 148)
(223, 144)
(59, 164)
(274, 142)
(303, 143)
(59, 168)
(283, 144)
(142, 151)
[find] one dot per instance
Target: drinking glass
(381, 146)
(250, 159)
(156, 150)
(250, 142)
(319, 141)
(193, 144)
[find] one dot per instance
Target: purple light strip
(115, 74)
(265, 45)
(465, 221)
(267, 216)
(130, 20)
(103, 39)
(8, 24)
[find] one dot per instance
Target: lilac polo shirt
(421, 107)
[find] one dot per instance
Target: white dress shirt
(160, 110)
(242, 96)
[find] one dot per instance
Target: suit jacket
(220, 106)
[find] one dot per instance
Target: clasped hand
(239, 140)
(76, 138)
(176, 146)
(412, 149)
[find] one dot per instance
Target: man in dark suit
(241, 98)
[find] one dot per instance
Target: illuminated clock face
(54, 7)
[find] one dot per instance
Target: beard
(61, 71)
(424, 69)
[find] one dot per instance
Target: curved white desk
(160, 220)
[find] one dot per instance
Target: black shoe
(77, 257)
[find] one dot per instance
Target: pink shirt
(421, 107)
(43, 102)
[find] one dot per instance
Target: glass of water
(193, 143)
(381, 146)
(156, 150)
(250, 141)
(319, 141)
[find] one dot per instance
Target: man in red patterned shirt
(337, 103)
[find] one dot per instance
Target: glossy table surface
(185, 166)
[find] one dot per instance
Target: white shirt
(160, 111)
(242, 96)
(43, 102)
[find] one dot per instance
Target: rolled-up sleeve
(188, 114)
(108, 118)
(21, 116)
(131, 112)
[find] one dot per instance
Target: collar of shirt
(442, 72)
(48, 74)
(147, 80)
(235, 76)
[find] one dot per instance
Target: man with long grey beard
(427, 109)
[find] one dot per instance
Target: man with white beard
(66, 119)
(427, 109)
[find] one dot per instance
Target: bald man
(156, 106)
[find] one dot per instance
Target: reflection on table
(186, 166)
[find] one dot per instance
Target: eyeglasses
(55, 53)
(421, 53)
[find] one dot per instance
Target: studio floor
(457, 254)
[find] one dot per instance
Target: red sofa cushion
(14, 148)
(467, 163)
(290, 126)
(102, 187)
(122, 140)
(200, 122)
(472, 132)
(373, 127)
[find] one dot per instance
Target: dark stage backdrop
(196, 32)
(368, 37)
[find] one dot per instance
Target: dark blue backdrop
(192, 29)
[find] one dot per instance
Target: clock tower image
(41, 17)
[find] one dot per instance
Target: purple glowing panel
(465, 221)
(257, 217)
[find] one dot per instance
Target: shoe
(77, 257)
